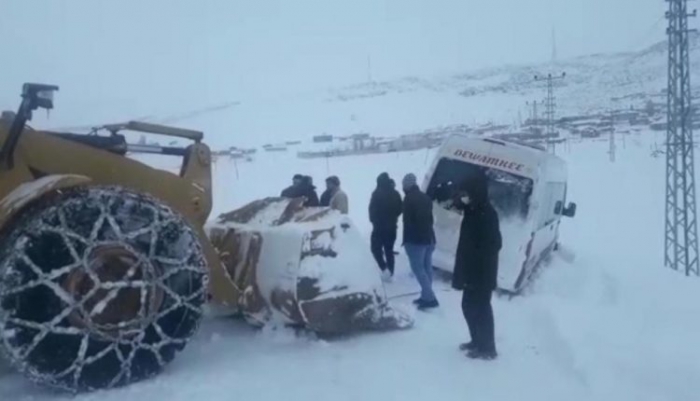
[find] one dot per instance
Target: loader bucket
(303, 266)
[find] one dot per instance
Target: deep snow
(604, 321)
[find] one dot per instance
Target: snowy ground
(605, 320)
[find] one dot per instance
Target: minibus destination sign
(490, 161)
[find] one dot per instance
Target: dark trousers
(476, 306)
(383, 240)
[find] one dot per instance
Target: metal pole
(612, 138)
(681, 241)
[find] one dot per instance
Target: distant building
(276, 148)
(363, 141)
(590, 133)
(323, 138)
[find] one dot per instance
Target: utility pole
(369, 69)
(554, 45)
(611, 152)
(534, 117)
(681, 242)
(520, 119)
(550, 102)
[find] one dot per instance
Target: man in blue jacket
(419, 239)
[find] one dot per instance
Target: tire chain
(191, 302)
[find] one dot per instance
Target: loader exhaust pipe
(34, 96)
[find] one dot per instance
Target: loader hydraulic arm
(34, 96)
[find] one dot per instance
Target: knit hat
(409, 181)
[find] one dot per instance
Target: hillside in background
(593, 84)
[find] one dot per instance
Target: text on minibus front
(489, 160)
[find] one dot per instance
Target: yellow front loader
(105, 264)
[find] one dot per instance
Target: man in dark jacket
(384, 211)
(419, 239)
(326, 197)
(294, 190)
(476, 265)
(308, 191)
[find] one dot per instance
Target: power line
(168, 119)
(196, 113)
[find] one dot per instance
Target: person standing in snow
(294, 190)
(326, 197)
(419, 239)
(308, 191)
(476, 265)
(385, 207)
(338, 199)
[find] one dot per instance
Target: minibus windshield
(509, 193)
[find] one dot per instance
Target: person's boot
(486, 355)
(387, 276)
(467, 346)
(422, 305)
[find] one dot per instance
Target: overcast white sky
(128, 58)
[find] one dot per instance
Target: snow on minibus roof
(521, 145)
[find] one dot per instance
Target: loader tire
(99, 287)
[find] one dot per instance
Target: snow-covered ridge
(594, 84)
(611, 75)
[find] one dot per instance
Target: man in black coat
(476, 265)
(419, 239)
(302, 187)
(384, 211)
(326, 198)
(294, 190)
(308, 191)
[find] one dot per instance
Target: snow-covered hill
(593, 83)
(604, 321)
(606, 78)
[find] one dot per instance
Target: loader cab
(527, 187)
(105, 156)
